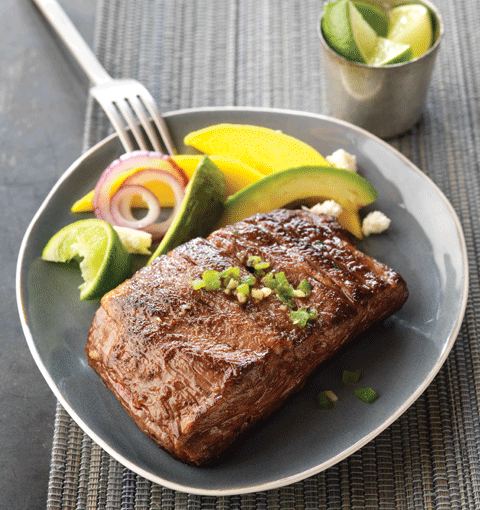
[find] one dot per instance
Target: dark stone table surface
(42, 111)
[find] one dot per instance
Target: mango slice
(266, 150)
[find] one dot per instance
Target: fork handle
(67, 31)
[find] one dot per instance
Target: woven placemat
(266, 53)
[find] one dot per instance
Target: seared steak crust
(195, 368)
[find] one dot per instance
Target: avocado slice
(201, 209)
(307, 185)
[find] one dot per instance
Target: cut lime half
(347, 32)
(374, 16)
(411, 24)
(104, 262)
(388, 52)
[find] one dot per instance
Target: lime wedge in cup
(411, 24)
(388, 52)
(104, 261)
(347, 32)
(365, 34)
(374, 16)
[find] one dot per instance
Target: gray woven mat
(266, 53)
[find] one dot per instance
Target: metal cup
(386, 101)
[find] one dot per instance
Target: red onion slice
(147, 175)
(115, 208)
(121, 207)
(126, 163)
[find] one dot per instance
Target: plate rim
(280, 482)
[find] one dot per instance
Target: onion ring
(120, 207)
(147, 175)
(115, 207)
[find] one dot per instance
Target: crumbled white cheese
(328, 207)
(342, 159)
(375, 223)
(135, 241)
(232, 284)
(266, 291)
(257, 294)
(298, 293)
(241, 297)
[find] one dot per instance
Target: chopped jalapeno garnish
(211, 279)
(305, 286)
(253, 260)
(366, 395)
(197, 284)
(324, 402)
(233, 272)
(281, 279)
(271, 283)
(303, 315)
(212, 285)
(285, 299)
(230, 281)
(351, 377)
(210, 275)
(260, 267)
(285, 290)
(300, 317)
(243, 289)
(249, 279)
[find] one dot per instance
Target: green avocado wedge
(303, 185)
(201, 208)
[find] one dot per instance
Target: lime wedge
(104, 262)
(347, 32)
(411, 24)
(374, 16)
(388, 52)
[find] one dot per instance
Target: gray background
(42, 118)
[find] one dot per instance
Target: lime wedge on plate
(374, 16)
(347, 32)
(104, 262)
(411, 24)
(388, 52)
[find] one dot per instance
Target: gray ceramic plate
(399, 358)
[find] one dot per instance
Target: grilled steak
(195, 368)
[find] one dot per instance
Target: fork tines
(134, 115)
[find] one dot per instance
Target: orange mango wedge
(264, 149)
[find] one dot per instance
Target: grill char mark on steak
(196, 368)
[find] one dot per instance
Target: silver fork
(126, 102)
